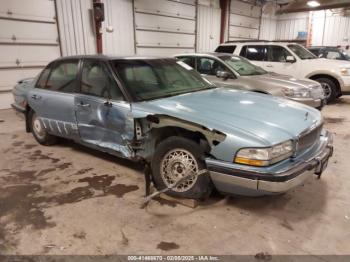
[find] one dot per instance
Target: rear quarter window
(226, 49)
(254, 52)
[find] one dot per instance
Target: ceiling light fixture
(313, 3)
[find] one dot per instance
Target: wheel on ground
(39, 132)
(329, 88)
(175, 158)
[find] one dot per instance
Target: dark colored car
(329, 52)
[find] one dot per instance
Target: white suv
(293, 59)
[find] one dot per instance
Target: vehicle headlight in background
(264, 156)
(299, 93)
(345, 71)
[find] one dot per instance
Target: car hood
(273, 79)
(268, 119)
(323, 63)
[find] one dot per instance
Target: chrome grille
(309, 139)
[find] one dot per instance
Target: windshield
(157, 78)
(302, 52)
(242, 66)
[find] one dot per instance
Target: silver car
(237, 72)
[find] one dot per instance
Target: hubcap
(327, 90)
(177, 164)
(38, 128)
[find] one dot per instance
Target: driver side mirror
(290, 59)
(223, 74)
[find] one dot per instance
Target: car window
(63, 77)
(96, 80)
(209, 66)
(301, 52)
(333, 55)
(242, 66)
(254, 52)
(41, 83)
(316, 52)
(188, 60)
(277, 54)
(157, 78)
(226, 49)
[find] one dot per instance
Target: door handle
(83, 105)
(269, 66)
(36, 97)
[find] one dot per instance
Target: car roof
(330, 47)
(212, 54)
(107, 57)
(257, 42)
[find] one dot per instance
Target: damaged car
(163, 113)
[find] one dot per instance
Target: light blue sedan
(194, 135)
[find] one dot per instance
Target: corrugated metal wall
(268, 28)
(75, 24)
(288, 25)
(208, 25)
(330, 28)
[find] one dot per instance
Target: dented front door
(103, 116)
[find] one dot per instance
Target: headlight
(345, 71)
(299, 93)
(264, 156)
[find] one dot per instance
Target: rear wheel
(178, 157)
(329, 88)
(39, 132)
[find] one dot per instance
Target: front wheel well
(163, 133)
(315, 77)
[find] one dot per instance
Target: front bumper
(239, 179)
(316, 103)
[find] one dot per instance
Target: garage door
(165, 27)
(28, 41)
(244, 20)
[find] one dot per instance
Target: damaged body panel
(162, 112)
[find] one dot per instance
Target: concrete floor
(66, 199)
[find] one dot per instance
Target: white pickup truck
(293, 59)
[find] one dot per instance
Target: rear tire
(39, 132)
(176, 157)
(329, 87)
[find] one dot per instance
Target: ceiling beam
(301, 6)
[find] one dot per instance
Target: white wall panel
(208, 24)
(162, 23)
(330, 28)
(244, 20)
(169, 8)
(268, 28)
(9, 77)
(40, 10)
(162, 51)
(28, 32)
(169, 26)
(288, 25)
(119, 18)
(76, 30)
(28, 41)
(154, 39)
